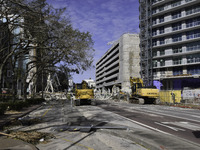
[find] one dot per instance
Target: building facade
(15, 68)
(170, 42)
(119, 63)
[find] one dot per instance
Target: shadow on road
(196, 134)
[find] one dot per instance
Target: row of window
(178, 26)
(193, 22)
(179, 71)
(178, 49)
(192, 10)
(172, 4)
(193, 34)
(178, 60)
(193, 70)
(178, 37)
(174, 50)
(193, 58)
(193, 46)
(178, 14)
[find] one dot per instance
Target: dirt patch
(33, 137)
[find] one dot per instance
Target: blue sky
(106, 20)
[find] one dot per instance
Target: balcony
(169, 8)
(170, 21)
(177, 43)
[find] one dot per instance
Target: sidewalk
(15, 144)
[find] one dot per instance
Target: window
(192, 22)
(154, 43)
(154, 32)
(177, 50)
(155, 54)
(176, 38)
(162, 41)
(162, 52)
(154, 74)
(176, 15)
(162, 71)
(161, 19)
(177, 61)
(193, 34)
(176, 26)
(189, 23)
(162, 62)
(154, 21)
(162, 30)
(154, 63)
(161, 8)
(177, 71)
(191, 10)
(193, 69)
(154, 11)
(193, 46)
(193, 58)
(176, 3)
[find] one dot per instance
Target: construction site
(145, 96)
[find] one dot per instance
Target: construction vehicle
(141, 94)
(84, 94)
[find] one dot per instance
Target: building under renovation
(170, 43)
(119, 63)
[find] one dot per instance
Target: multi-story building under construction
(119, 63)
(170, 42)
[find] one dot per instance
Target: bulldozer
(84, 94)
(141, 94)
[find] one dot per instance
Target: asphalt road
(115, 126)
(181, 122)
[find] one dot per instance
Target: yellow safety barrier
(170, 96)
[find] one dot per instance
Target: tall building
(16, 63)
(119, 63)
(169, 42)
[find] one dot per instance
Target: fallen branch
(7, 134)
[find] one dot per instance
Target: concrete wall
(129, 59)
(128, 45)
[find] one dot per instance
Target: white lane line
(144, 125)
(195, 116)
(173, 128)
(186, 125)
(170, 116)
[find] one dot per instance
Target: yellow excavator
(141, 94)
(84, 94)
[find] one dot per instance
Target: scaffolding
(146, 41)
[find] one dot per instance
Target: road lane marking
(47, 111)
(170, 115)
(89, 148)
(186, 125)
(144, 125)
(195, 116)
(173, 128)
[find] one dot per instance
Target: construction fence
(180, 96)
